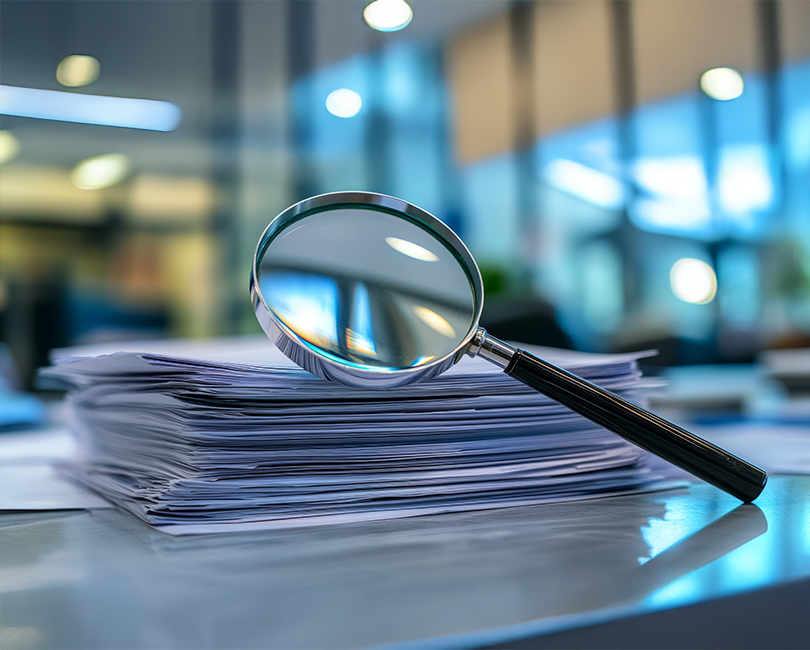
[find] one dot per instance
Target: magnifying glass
(369, 290)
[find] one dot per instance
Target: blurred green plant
(790, 260)
(495, 279)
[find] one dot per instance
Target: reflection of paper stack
(202, 438)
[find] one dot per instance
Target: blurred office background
(615, 196)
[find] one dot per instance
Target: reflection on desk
(102, 579)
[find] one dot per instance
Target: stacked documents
(231, 435)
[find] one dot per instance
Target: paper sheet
(776, 448)
(28, 480)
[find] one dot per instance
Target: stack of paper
(231, 436)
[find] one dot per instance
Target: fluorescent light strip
(89, 109)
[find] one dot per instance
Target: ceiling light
(9, 147)
(89, 109)
(693, 281)
(77, 70)
(388, 15)
(100, 172)
(343, 103)
(722, 83)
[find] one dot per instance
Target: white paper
(776, 448)
(39, 487)
(40, 447)
(28, 479)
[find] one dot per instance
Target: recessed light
(9, 147)
(693, 281)
(77, 70)
(343, 103)
(100, 172)
(722, 83)
(388, 15)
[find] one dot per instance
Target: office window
(669, 172)
(331, 147)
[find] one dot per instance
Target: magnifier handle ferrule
(491, 349)
(637, 425)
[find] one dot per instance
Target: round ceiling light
(9, 147)
(77, 70)
(722, 83)
(100, 172)
(693, 281)
(343, 103)
(388, 15)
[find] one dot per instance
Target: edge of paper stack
(229, 435)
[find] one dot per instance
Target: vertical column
(771, 53)
(621, 16)
(376, 147)
(225, 129)
(521, 35)
(300, 60)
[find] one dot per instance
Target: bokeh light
(722, 83)
(77, 70)
(693, 280)
(9, 147)
(100, 172)
(388, 15)
(343, 103)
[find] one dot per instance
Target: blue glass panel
(746, 170)
(662, 308)
(584, 162)
(739, 292)
(669, 172)
(412, 98)
(601, 273)
(796, 98)
(333, 147)
(490, 209)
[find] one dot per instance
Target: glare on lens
(693, 281)
(100, 172)
(436, 322)
(388, 15)
(359, 343)
(722, 83)
(410, 249)
(77, 70)
(343, 103)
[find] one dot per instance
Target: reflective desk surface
(587, 574)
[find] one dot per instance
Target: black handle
(642, 428)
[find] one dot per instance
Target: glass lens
(368, 288)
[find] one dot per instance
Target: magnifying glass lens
(368, 288)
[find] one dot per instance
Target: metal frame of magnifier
(633, 423)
